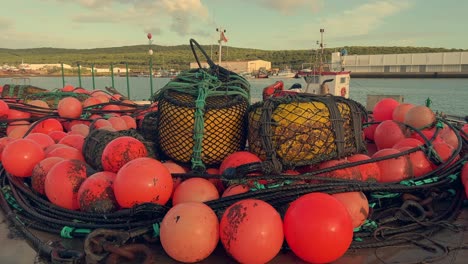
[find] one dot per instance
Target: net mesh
(224, 126)
(98, 139)
(304, 129)
(20, 91)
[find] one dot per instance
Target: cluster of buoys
(317, 227)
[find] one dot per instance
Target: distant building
(443, 62)
(239, 66)
(37, 67)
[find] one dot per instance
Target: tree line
(179, 57)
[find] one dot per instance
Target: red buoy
(96, 193)
(40, 171)
(394, 169)
(251, 231)
(120, 151)
(69, 107)
(63, 182)
(318, 228)
(47, 125)
(357, 205)
(189, 232)
(195, 190)
(369, 171)
(20, 156)
(383, 109)
(143, 180)
(388, 133)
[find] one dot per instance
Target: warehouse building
(250, 66)
(417, 63)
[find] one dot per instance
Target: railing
(112, 76)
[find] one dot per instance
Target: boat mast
(321, 49)
(220, 42)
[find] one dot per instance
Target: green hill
(179, 57)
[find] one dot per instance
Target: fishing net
(202, 115)
(305, 129)
(98, 139)
(53, 98)
(20, 91)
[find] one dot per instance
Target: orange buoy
(74, 141)
(40, 171)
(143, 180)
(91, 101)
(57, 135)
(388, 133)
(351, 173)
(120, 151)
(47, 125)
(236, 159)
(20, 156)
(369, 171)
(118, 123)
(174, 168)
(129, 121)
(96, 194)
(3, 142)
(420, 117)
(195, 190)
(235, 189)
(251, 231)
(42, 139)
(69, 107)
(395, 169)
(4, 110)
(383, 109)
(16, 114)
(357, 205)
(420, 164)
(68, 88)
(189, 232)
(408, 142)
(64, 151)
(400, 111)
(318, 228)
(63, 182)
(80, 129)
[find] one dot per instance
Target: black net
(20, 91)
(305, 129)
(224, 126)
(98, 139)
(53, 98)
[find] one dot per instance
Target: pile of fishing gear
(201, 118)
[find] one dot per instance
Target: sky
(259, 24)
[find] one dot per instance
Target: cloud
(5, 23)
(177, 16)
(363, 19)
(288, 7)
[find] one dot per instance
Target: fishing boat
(326, 78)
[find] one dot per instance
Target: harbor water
(449, 96)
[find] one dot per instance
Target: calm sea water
(448, 95)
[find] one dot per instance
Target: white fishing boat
(327, 78)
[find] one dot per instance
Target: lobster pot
(223, 128)
(305, 129)
(20, 91)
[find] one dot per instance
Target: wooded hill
(179, 57)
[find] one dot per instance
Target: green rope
(156, 230)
